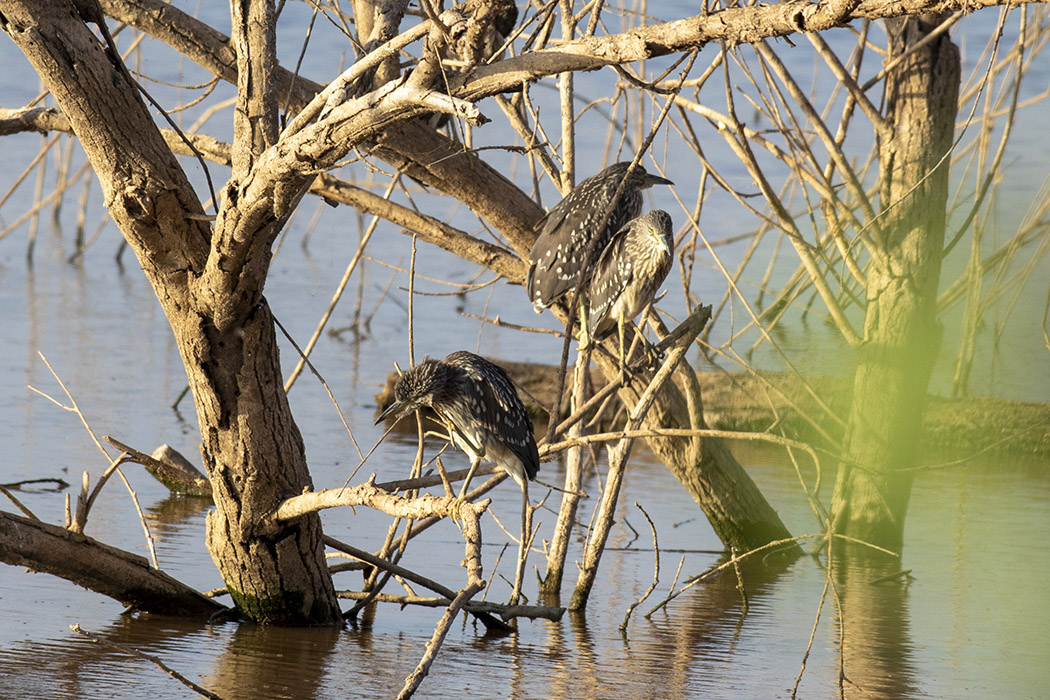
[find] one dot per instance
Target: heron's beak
(393, 409)
(651, 180)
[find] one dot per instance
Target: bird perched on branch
(476, 402)
(572, 235)
(627, 276)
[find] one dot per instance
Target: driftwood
(779, 402)
(169, 467)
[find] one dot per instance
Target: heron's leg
(585, 337)
(453, 509)
(470, 475)
(653, 356)
(621, 330)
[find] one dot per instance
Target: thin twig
(731, 562)
(812, 631)
(18, 504)
(81, 515)
(340, 288)
(328, 390)
(656, 573)
(444, 624)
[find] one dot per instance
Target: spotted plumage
(479, 407)
(629, 272)
(569, 231)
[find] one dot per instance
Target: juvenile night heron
(627, 276)
(569, 231)
(479, 407)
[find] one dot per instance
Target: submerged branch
(507, 612)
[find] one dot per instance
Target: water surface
(967, 621)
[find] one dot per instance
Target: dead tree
(209, 277)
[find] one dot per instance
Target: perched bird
(478, 405)
(569, 232)
(627, 276)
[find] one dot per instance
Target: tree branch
(98, 567)
(368, 494)
(737, 25)
(255, 114)
(145, 190)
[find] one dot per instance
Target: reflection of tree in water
(703, 626)
(274, 662)
(171, 515)
(872, 595)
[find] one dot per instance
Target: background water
(968, 622)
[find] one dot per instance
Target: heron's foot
(585, 341)
(454, 508)
(653, 357)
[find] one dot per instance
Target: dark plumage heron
(477, 403)
(569, 232)
(627, 276)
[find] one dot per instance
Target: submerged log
(780, 402)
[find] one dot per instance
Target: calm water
(968, 623)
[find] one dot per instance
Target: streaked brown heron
(476, 402)
(569, 235)
(627, 276)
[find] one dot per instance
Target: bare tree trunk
(212, 297)
(255, 459)
(901, 334)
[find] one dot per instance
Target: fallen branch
(168, 467)
(86, 562)
(423, 668)
(487, 619)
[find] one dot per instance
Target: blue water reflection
(968, 621)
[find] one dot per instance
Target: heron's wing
(608, 281)
(569, 231)
(499, 408)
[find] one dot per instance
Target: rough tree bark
(223, 329)
(901, 333)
